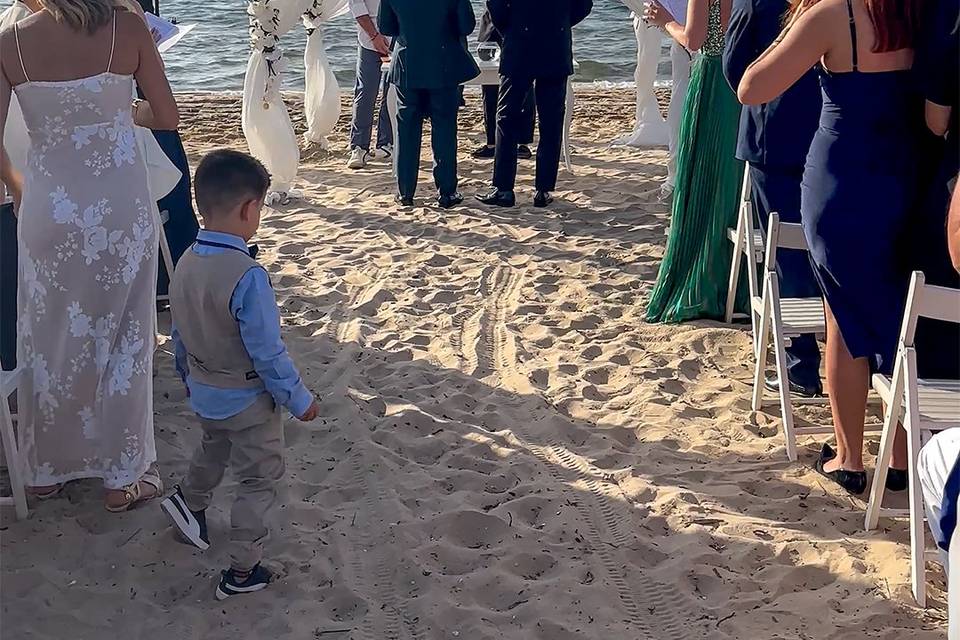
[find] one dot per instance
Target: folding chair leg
(762, 341)
(917, 540)
(783, 375)
(735, 263)
(891, 422)
(165, 251)
(12, 454)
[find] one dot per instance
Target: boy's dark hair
(227, 178)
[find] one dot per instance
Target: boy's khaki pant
(251, 443)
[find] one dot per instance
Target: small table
(489, 76)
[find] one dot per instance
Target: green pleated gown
(692, 282)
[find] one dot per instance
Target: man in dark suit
(491, 95)
(430, 62)
(774, 139)
(538, 53)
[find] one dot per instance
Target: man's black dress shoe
(484, 153)
(403, 201)
(772, 383)
(452, 200)
(524, 153)
(542, 199)
(499, 198)
(854, 482)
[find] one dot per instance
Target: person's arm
(161, 111)
(802, 44)
(466, 18)
(580, 10)
(690, 36)
(938, 118)
(953, 228)
(499, 14)
(388, 22)
(742, 44)
(254, 305)
(8, 175)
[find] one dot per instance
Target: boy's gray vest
(200, 294)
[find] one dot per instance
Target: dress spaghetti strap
(16, 35)
(113, 42)
(853, 34)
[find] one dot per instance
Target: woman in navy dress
(858, 192)
(176, 207)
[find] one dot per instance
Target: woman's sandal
(138, 493)
(854, 482)
(45, 493)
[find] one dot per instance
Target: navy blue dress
(857, 196)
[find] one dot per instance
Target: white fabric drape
(322, 97)
(650, 128)
(266, 123)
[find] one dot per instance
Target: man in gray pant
(373, 47)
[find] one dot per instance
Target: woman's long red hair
(897, 23)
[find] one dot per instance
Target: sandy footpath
(506, 450)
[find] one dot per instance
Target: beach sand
(506, 449)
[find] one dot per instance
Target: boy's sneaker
(258, 579)
(192, 525)
(358, 158)
(385, 152)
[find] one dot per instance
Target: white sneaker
(666, 193)
(385, 152)
(358, 158)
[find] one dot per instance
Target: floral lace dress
(88, 273)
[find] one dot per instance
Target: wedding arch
(266, 122)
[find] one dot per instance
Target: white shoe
(385, 152)
(666, 193)
(358, 158)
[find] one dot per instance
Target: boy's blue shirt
(254, 305)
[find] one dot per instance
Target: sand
(506, 449)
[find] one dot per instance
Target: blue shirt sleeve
(254, 305)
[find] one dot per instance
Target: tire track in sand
(487, 344)
(374, 558)
(655, 609)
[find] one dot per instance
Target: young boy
(236, 368)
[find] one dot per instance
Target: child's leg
(257, 461)
(206, 469)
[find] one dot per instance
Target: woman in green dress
(692, 282)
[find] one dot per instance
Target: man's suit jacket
(537, 35)
(779, 133)
(430, 50)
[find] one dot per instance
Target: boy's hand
(311, 413)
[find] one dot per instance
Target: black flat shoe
(772, 383)
(403, 201)
(897, 479)
(542, 199)
(499, 198)
(484, 153)
(524, 153)
(854, 482)
(446, 202)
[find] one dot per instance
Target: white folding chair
(747, 241)
(784, 318)
(165, 252)
(917, 406)
(10, 383)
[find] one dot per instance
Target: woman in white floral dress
(88, 244)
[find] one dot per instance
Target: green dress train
(692, 282)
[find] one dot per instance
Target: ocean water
(214, 56)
